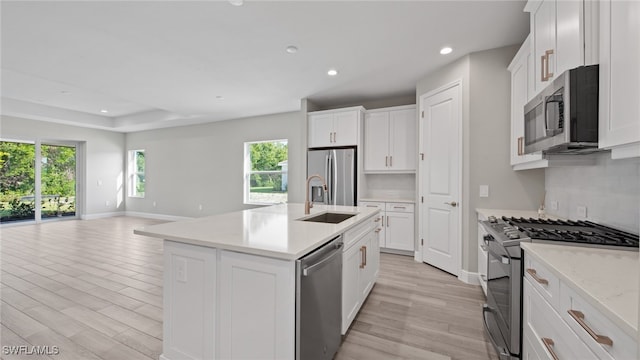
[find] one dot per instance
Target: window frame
(133, 173)
(248, 172)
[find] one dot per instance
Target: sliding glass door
(49, 183)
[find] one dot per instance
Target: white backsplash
(400, 186)
(610, 191)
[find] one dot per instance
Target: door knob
(452, 204)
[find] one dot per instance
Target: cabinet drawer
(399, 207)
(543, 280)
(622, 345)
(371, 204)
(351, 236)
(542, 323)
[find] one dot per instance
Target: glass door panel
(58, 181)
(17, 181)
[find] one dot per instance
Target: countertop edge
(610, 314)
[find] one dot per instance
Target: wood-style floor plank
(94, 289)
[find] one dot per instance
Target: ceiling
(153, 64)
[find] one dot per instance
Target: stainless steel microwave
(563, 118)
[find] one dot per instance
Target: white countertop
(485, 213)
(272, 231)
(607, 279)
(389, 199)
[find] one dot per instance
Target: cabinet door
(367, 246)
(543, 21)
(376, 141)
(346, 128)
(399, 228)
(244, 320)
(619, 74)
(321, 130)
(569, 48)
(351, 299)
(482, 259)
(519, 97)
(402, 140)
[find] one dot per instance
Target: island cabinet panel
(257, 307)
(189, 302)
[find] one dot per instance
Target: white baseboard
(101, 215)
(156, 216)
(471, 278)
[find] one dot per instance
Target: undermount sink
(329, 217)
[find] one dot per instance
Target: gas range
(511, 231)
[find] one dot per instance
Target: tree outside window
(136, 173)
(266, 169)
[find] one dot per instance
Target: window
(136, 173)
(265, 172)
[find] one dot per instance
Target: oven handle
(503, 354)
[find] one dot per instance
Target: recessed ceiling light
(292, 49)
(104, 111)
(332, 72)
(236, 2)
(446, 50)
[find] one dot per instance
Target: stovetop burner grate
(585, 232)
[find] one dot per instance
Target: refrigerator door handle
(334, 178)
(327, 166)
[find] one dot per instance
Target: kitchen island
(230, 279)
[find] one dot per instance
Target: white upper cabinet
(619, 116)
(561, 37)
(390, 140)
(333, 128)
(521, 91)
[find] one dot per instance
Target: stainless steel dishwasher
(319, 302)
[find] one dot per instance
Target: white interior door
(440, 177)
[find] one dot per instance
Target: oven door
(502, 312)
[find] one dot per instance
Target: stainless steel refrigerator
(338, 168)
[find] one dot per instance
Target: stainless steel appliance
(319, 302)
(503, 311)
(563, 118)
(338, 168)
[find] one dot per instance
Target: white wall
(610, 190)
(203, 164)
(104, 155)
(486, 141)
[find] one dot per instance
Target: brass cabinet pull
(363, 252)
(578, 316)
(378, 230)
(365, 255)
(376, 220)
(386, 161)
(399, 207)
(542, 71)
(546, 55)
(330, 137)
(387, 221)
(534, 275)
(548, 343)
(521, 145)
(390, 160)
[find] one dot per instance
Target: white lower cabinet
(360, 266)
(221, 305)
(396, 223)
(482, 258)
(257, 297)
(558, 323)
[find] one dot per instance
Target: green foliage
(267, 155)
(21, 209)
(58, 170)
(17, 174)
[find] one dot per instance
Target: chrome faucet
(308, 204)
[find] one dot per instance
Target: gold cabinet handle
(542, 70)
(548, 343)
(391, 161)
(546, 55)
(578, 316)
(534, 275)
(378, 230)
(365, 255)
(520, 146)
(376, 220)
(387, 221)
(386, 161)
(363, 252)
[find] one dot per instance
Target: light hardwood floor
(94, 290)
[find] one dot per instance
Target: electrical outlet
(484, 190)
(582, 211)
(554, 205)
(181, 269)
(154, 204)
(200, 207)
(107, 203)
(99, 182)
